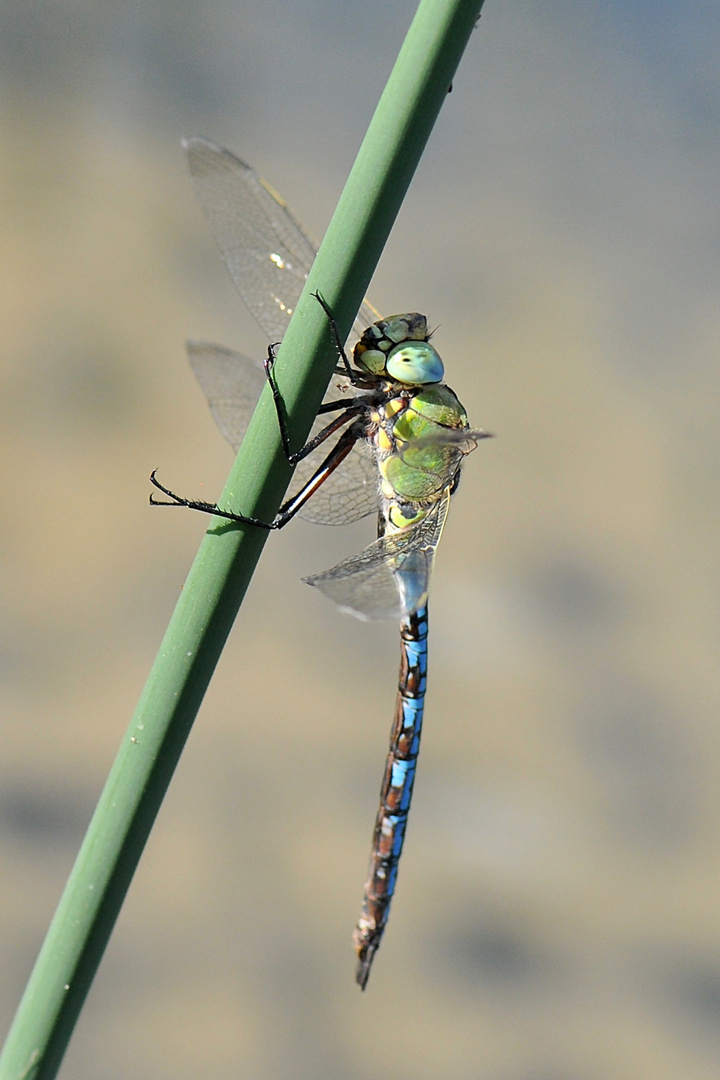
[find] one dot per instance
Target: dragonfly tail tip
(365, 958)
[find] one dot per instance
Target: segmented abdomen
(396, 792)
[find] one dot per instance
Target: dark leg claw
(204, 507)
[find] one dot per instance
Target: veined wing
(266, 250)
(452, 444)
(465, 440)
(390, 578)
(232, 384)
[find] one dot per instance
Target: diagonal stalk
(209, 602)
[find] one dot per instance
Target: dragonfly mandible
(404, 440)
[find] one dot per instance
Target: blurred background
(558, 910)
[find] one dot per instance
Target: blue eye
(415, 363)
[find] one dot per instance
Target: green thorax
(416, 454)
(415, 431)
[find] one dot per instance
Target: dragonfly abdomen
(396, 791)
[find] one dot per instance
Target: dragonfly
(402, 437)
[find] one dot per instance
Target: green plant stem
(209, 602)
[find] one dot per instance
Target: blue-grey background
(558, 911)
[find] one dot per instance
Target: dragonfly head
(398, 348)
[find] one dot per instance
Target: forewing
(266, 250)
(390, 578)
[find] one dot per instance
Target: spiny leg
(289, 509)
(204, 507)
(336, 337)
(350, 408)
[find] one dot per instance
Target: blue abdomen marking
(396, 792)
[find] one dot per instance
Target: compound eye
(415, 363)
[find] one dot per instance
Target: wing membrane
(266, 250)
(232, 384)
(390, 578)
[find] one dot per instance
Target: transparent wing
(438, 454)
(390, 578)
(349, 493)
(232, 384)
(266, 250)
(464, 440)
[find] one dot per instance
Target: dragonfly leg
(352, 376)
(339, 452)
(269, 365)
(204, 507)
(288, 510)
(350, 409)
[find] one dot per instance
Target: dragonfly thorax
(399, 348)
